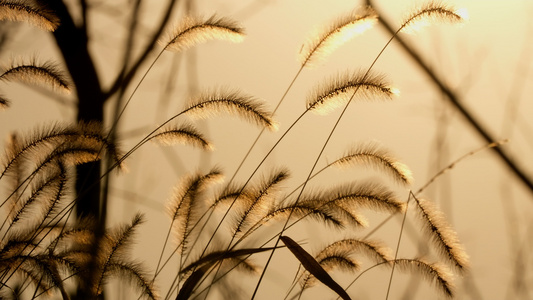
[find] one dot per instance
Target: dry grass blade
(338, 91)
(311, 265)
(374, 155)
(442, 235)
(244, 106)
(185, 134)
(435, 273)
(432, 11)
(341, 31)
(194, 31)
(213, 257)
(335, 256)
(200, 267)
(20, 11)
(46, 75)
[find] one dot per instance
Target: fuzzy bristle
(20, 11)
(193, 31)
(343, 88)
(442, 235)
(46, 75)
(429, 13)
(232, 102)
(341, 31)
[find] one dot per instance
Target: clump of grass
(53, 248)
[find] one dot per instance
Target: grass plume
(433, 272)
(23, 11)
(45, 246)
(428, 14)
(184, 134)
(247, 107)
(45, 75)
(339, 32)
(341, 89)
(442, 235)
(193, 31)
(375, 156)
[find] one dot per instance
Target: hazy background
(487, 62)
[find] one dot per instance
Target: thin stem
(398, 245)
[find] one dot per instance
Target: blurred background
(486, 62)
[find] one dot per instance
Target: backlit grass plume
(185, 204)
(184, 134)
(343, 29)
(193, 31)
(46, 75)
(232, 102)
(44, 244)
(260, 200)
(373, 155)
(428, 14)
(61, 140)
(442, 235)
(25, 11)
(338, 91)
(360, 195)
(113, 260)
(435, 273)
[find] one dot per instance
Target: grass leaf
(311, 265)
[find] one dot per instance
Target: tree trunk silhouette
(72, 41)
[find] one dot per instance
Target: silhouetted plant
(43, 247)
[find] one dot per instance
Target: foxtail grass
(27, 12)
(46, 75)
(50, 249)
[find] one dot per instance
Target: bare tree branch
(454, 100)
(124, 78)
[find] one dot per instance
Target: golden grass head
(192, 31)
(232, 102)
(430, 13)
(435, 273)
(184, 134)
(321, 45)
(21, 11)
(442, 235)
(374, 155)
(343, 88)
(46, 75)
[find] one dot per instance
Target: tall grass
(217, 227)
